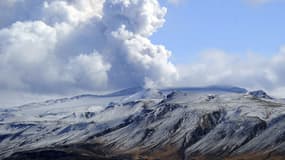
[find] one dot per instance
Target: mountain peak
(260, 94)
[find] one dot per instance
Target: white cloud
(176, 2)
(90, 70)
(259, 2)
(60, 46)
(57, 46)
(252, 71)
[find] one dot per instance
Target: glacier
(215, 122)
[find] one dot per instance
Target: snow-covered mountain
(217, 122)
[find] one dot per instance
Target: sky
(238, 27)
(56, 48)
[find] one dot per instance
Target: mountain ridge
(148, 124)
(133, 90)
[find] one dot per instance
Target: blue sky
(63, 47)
(234, 26)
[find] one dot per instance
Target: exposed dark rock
(260, 94)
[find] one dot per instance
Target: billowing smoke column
(66, 45)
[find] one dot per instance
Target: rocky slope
(182, 124)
